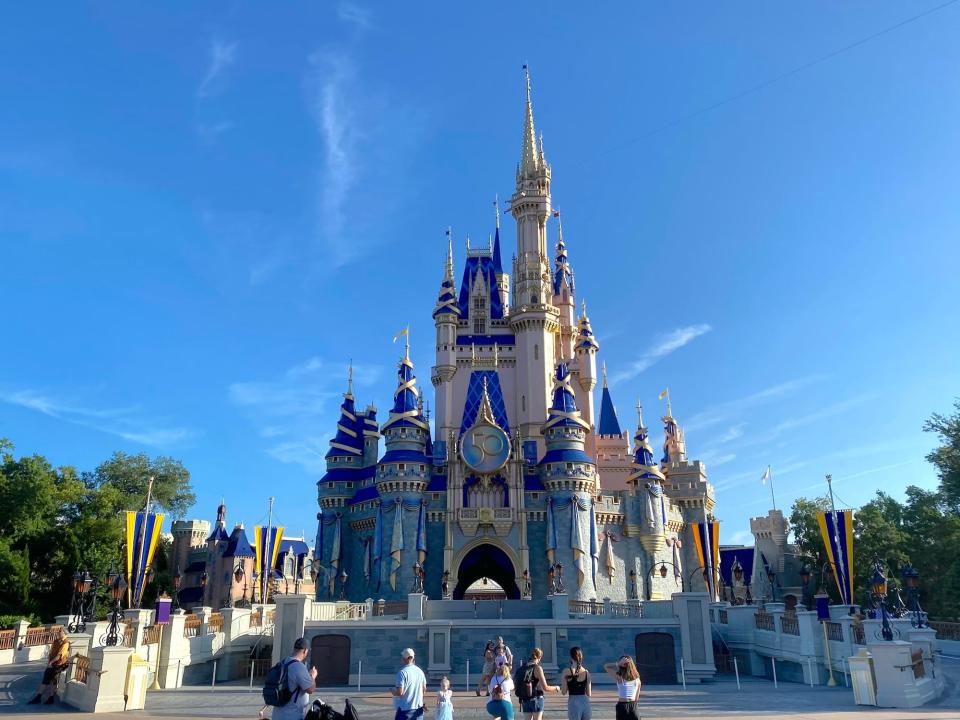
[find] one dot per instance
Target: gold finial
(350, 378)
(603, 368)
(485, 413)
(496, 209)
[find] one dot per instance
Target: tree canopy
(54, 522)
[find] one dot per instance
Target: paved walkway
(758, 700)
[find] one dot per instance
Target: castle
(520, 483)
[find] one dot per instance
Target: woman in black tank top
(575, 683)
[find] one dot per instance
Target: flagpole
(133, 597)
(267, 569)
(770, 478)
(841, 574)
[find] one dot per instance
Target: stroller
(319, 710)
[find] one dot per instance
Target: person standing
(532, 684)
(501, 704)
(445, 700)
(624, 671)
(300, 682)
(57, 661)
(502, 651)
(576, 685)
(488, 667)
(409, 688)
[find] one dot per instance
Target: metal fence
(41, 635)
(764, 621)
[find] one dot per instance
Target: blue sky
(206, 210)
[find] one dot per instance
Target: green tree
(129, 475)
(946, 458)
(878, 535)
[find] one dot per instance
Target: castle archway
(486, 560)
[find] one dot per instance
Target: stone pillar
(106, 682)
(204, 614)
(811, 634)
(174, 652)
(236, 621)
(291, 619)
(561, 606)
(21, 651)
(415, 606)
(892, 666)
(139, 619)
(696, 642)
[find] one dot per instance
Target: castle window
(402, 466)
(423, 468)
(479, 327)
(330, 485)
(569, 466)
(480, 304)
(436, 496)
(535, 496)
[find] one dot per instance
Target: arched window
(534, 299)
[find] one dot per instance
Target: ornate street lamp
(177, 581)
(911, 578)
(240, 574)
(878, 585)
(633, 584)
(445, 584)
(343, 584)
(118, 586)
(559, 578)
(663, 570)
(83, 603)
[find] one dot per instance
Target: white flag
(766, 475)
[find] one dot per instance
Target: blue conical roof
(585, 337)
(238, 545)
(497, 264)
(644, 467)
(564, 410)
(406, 399)
(562, 274)
(609, 424)
(349, 438)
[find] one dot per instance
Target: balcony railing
(81, 667)
(128, 635)
(41, 635)
(215, 623)
(859, 636)
(355, 611)
(151, 634)
(586, 607)
(626, 609)
(390, 609)
(790, 625)
(764, 621)
(946, 630)
(835, 631)
(191, 626)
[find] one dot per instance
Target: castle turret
(565, 466)
(647, 479)
(674, 447)
(446, 313)
(612, 443)
(501, 278)
(533, 317)
(586, 349)
(563, 296)
(345, 458)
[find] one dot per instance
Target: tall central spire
(529, 160)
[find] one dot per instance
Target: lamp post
(254, 576)
(878, 586)
(118, 586)
(83, 603)
(239, 573)
(558, 578)
(911, 578)
(445, 583)
(661, 570)
(343, 584)
(177, 581)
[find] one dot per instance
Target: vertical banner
(336, 553)
(396, 544)
(551, 533)
(836, 529)
(267, 542)
(706, 540)
(143, 532)
(422, 533)
(378, 545)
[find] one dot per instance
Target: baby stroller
(319, 710)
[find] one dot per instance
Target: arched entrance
(487, 561)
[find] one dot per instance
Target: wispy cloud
(296, 411)
(128, 423)
(726, 411)
(222, 55)
(662, 346)
(355, 14)
(332, 75)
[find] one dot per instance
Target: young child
(445, 701)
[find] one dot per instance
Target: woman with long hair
(501, 704)
(575, 684)
(624, 671)
(486, 673)
(533, 684)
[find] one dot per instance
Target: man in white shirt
(409, 690)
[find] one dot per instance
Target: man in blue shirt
(300, 681)
(410, 687)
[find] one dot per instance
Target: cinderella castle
(522, 482)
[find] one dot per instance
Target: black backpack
(526, 675)
(276, 689)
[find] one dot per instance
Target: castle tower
(501, 278)
(533, 318)
(446, 313)
(216, 544)
(586, 350)
(563, 296)
(612, 443)
(647, 479)
(346, 454)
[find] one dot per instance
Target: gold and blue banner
(267, 541)
(706, 540)
(836, 529)
(143, 532)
